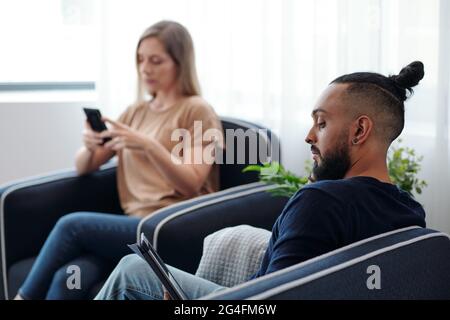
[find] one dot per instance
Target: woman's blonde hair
(178, 43)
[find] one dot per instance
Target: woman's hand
(187, 179)
(93, 154)
(92, 140)
(124, 137)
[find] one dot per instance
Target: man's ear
(361, 129)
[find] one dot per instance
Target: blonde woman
(148, 178)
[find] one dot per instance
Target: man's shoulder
(333, 187)
(329, 197)
(340, 191)
(316, 194)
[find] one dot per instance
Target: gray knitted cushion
(232, 255)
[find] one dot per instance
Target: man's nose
(310, 138)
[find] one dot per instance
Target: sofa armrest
(412, 263)
(178, 232)
(30, 208)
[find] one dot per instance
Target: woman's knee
(69, 221)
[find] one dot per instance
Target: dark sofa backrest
(231, 174)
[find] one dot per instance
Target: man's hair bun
(409, 76)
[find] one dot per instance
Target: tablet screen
(146, 251)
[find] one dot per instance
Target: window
(48, 44)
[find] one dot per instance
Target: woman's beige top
(142, 188)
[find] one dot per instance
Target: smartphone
(94, 117)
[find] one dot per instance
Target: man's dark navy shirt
(330, 214)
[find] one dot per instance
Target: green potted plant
(403, 166)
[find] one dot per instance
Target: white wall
(38, 137)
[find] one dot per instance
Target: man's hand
(166, 295)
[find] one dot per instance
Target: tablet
(146, 251)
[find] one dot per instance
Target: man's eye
(321, 125)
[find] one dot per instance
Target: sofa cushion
(232, 255)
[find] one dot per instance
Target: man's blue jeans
(134, 279)
(92, 242)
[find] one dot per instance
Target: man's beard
(333, 166)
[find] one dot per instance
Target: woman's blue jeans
(87, 245)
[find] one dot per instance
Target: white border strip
(25, 183)
(312, 260)
(199, 198)
(205, 204)
(312, 277)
